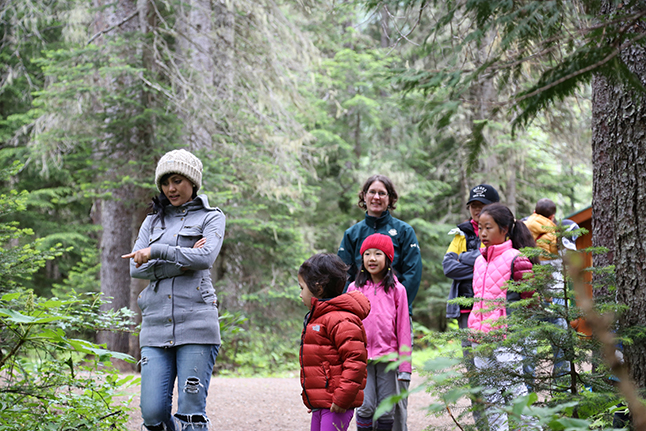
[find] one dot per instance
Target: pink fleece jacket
(388, 324)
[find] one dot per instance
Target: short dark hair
(325, 275)
(545, 207)
(390, 188)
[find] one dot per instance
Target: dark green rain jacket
(408, 260)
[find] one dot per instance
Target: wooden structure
(584, 219)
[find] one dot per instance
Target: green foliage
(19, 261)
(289, 121)
(51, 380)
(583, 397)
(259, 349)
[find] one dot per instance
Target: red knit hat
(380, 242)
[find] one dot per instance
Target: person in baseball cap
(458, 266)
(570, 242)
(483, 193)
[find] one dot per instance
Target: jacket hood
(376, 222)
(353, 302)
(538, 224)
(199, 201)
(493, 251)
(467, 227)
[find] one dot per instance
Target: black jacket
(458, 265)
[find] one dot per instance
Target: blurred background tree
(291, 105)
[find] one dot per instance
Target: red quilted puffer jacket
(333, 352)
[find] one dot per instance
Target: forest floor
(274, 404)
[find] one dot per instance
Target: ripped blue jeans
(191, 365)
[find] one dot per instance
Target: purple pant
(325, 420)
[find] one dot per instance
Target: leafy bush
(584, 397)
(48, 379)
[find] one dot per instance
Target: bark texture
(205, 51)
(619, 161)
(115, 273)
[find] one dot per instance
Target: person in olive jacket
(377, 197)
(180, 332)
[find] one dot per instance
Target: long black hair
(388, 281)
(517, 232)
(161, 202)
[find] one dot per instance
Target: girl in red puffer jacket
(333, 352)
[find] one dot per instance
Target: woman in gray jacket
(180, 333)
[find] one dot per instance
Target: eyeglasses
(373, 193)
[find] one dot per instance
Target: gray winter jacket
(179, 306)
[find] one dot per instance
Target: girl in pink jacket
(500, 262)
(387, 328)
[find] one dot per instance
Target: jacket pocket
(143, 300)
(155, 235)
(327, 372)
(208, 293)
(189, 235)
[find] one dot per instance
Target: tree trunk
(225, 28)
(357, 138)
(116, 211)
(604, 107)
(383, 27)
(206, 45)
(511, 189)
(115, 273)
(619, 162)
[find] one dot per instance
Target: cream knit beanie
(179, 162)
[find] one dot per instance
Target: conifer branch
(582, 71)
(109, 29)
(405, 36)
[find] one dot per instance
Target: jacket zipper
(484, 282)
(301, 354)
(172, 306)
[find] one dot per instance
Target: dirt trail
(274, 404)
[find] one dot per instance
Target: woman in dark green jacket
(377, 197)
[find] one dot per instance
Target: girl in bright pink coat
(387, 328)
(500, 262)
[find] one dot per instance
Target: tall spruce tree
(619, 128)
